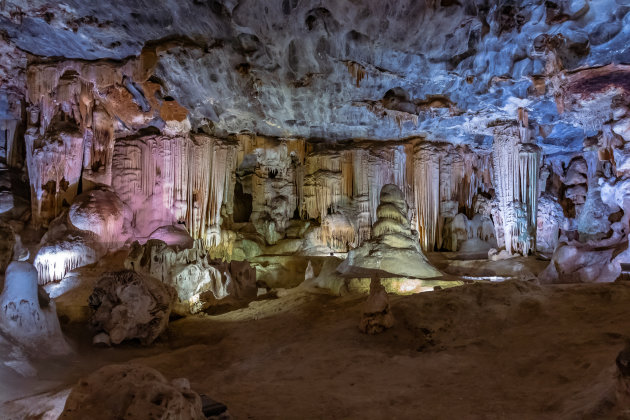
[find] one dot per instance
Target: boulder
(128, 306)
(583, 263)
(132, 391)
(174, 236)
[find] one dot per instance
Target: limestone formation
(132, 391)
(27, 315)
(222, 149)
(64, 248)
(198, 281)
(101, 212)
(129, 306)
(377, 315)
(392, 251)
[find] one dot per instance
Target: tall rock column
(516, 165)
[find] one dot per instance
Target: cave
(296, 209)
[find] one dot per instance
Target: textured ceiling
(346, 69)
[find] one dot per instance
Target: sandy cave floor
(481, 351)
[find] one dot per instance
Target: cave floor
(480, 351)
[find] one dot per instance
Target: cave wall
(507, 123)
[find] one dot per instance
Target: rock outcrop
(377, 315)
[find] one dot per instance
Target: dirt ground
(510, 350)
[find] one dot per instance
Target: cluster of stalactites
(356, 176)
(338, 233)
(63, 94)
(516, 167)
(55, 261)
(445, 173)
(188, 180)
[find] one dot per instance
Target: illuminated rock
(182, 179)
(198, 281)
(549, 220)
(54, 166)
(64, 248)
(130, 306)
(100, 212)
(516, 167)
(174, 236)
(393, 250)
(583, 263)
(132, 391)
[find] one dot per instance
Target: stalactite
(427, 194)
(357, 71)
(323, 184)
(338, 233)
(54, 167)
(444, 174)
(8, 129)
(186, 180)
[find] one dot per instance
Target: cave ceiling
(447, 70)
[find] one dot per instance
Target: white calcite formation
(129, 306)
(132, 391)
(54, 165)
(64, 248)
(27, 316)
(392, 251)
(548, 223)
(462, 234)
(446, 179)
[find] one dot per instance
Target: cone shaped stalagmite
(393, 251)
